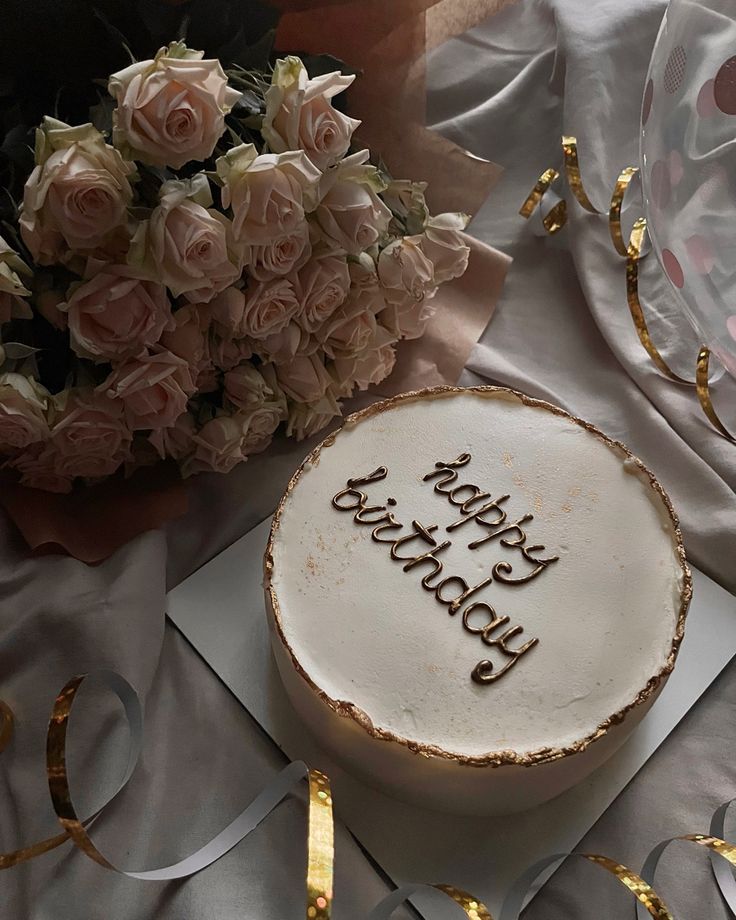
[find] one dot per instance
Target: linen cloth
(506, 91)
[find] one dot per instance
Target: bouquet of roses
(204, 261)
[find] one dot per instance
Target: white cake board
(220, 610)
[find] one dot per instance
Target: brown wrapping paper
(91, 523)
(387, 41)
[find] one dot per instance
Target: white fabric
(562, 332)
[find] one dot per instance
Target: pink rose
(23, 404)
(268, 308)
(113, 314)
(281, 347)
(305, 379)
(305, 420)
(186, 246)
(408, 322)
(351, 216)
(178, 441)
(269, 194)
(369, 367)
(153, 388)
(37, 468)
(172, 109)
(321, 287)
(78, 194)
(226, 353)
(246, 388)
(443, 243)
(188, 340)
(218, 447)
(89, 435)
(284, 254)
(351, 326)
(300, 115)
(227, 311)
(405, 273)
(406, 201)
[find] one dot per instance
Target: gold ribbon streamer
(702, 387)
(475, 909)
(555, 219)
(632, 298)
(645, 895)
(614, 212)
(320, 855)
(714, 844)
(6, 725)
(572, 171)
(320, 848)
(538, 192)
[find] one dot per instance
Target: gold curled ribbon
(320, 848)
(715, 845)
(645, 895)
(635, 308)
(470, 905)
(572, 172)
(555, 219)
(538, 192)
(614, 212)
(6, 725)
(702, 386)
(320, 838)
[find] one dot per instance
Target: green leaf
(17, 351)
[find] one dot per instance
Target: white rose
(171, 109)
(269, 194)
(306, 420)
(218, 447)
(321, 287)
(185, 244)
(78, 194)
(405, 273)
(351, 216)
(300, 115)
(283, 346)
(368, 367)
(353, 324)
(444, 245)
(268, 308)
(305, 379)
(23, 404)
(284, 254)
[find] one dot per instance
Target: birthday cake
(474, 597)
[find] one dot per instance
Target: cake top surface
(477, 574)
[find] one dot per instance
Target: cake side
(380, 650)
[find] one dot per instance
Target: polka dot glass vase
(688, 160)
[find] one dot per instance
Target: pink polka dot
(661, 185)
(724, 87)
(646, 106)
(677, 170)
(706, 104)
(674, 71)
(731, 326)
(673, 268)
(700, 253)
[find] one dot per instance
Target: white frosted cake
(474, 597)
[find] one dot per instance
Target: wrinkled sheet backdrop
(561, 331)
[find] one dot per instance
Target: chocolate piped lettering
(419, 548)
